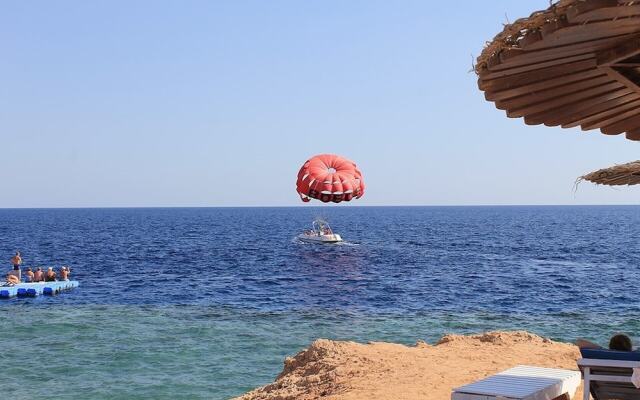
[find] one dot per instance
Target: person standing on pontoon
(17, 261)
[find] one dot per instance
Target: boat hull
(320, 239)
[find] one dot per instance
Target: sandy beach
(347, 370)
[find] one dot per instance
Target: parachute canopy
(328, 177)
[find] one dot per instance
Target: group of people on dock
(15, 276)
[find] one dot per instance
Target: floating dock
(36, 288)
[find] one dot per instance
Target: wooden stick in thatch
(624, 174)
(514, 32)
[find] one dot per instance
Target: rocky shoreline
(347, 370)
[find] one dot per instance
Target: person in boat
(50, 275)
(38, 276)
(617, 342)
(64, 273)
(16, 261)
(12, 279)
(29, 275)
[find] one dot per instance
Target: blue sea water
(206, 302)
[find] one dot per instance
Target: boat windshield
(321, 227)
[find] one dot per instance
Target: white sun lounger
(522, 383)
(610, 379)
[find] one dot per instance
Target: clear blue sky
(212, 103)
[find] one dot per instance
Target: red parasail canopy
(328, 177)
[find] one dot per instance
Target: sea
(206, 303)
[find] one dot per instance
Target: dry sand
(347, 370)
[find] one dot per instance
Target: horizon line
(321, 205)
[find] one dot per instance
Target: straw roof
(516, 31)
(625, 174)
(576, 63)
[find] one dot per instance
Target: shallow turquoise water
(188, 352)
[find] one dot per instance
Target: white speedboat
(320, 233)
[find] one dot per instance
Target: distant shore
(348, 370)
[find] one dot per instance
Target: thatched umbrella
(624, 174)
(576, 63)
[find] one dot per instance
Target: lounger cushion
(604, 354)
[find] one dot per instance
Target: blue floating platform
(36, 288)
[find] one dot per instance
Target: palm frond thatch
(623, 174)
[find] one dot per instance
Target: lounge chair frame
(612, 376)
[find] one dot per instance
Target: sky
(218, 103)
